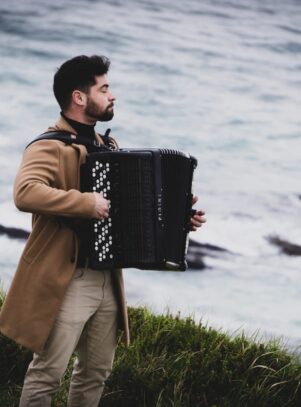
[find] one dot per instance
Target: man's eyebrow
(104, 86)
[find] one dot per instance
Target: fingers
(199, 212)
(104, 213)
(102, 206)
(197, 220)
(194, 199)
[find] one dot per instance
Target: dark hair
(78, 73)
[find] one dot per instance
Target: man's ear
(79, 98)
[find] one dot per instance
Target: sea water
(219, 79)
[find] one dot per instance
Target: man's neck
(82, 129)
(78, 118)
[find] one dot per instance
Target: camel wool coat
(47, 185)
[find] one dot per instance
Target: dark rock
(206, 246)
(14, 233)
(197, 251)
(195, 260)
(286, 247)
(195, 255)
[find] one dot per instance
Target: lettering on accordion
(159, 207)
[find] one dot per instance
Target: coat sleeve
(35, 185)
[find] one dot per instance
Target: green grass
(174, 362)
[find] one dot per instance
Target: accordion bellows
(150, 208)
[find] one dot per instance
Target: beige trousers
(87, 325)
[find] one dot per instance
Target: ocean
(219, 79)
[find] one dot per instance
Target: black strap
(70, 138)
(108, 141)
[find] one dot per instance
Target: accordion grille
(133, 210)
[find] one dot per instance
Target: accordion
(150, 208)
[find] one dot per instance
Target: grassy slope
(176, 362)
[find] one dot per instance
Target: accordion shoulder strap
(70, 138)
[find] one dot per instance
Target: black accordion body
(150, 208)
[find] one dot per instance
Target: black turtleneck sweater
(82, 129)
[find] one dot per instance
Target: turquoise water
(218, 79)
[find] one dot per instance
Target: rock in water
(197, 251)
(286, 247)
(195, 255)
(14, 233)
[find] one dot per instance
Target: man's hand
(102, 206)
(198, 218)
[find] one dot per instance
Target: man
(56, 304)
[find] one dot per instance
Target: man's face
(100, 101)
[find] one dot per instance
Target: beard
(93, 110)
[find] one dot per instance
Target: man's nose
(112, 97)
